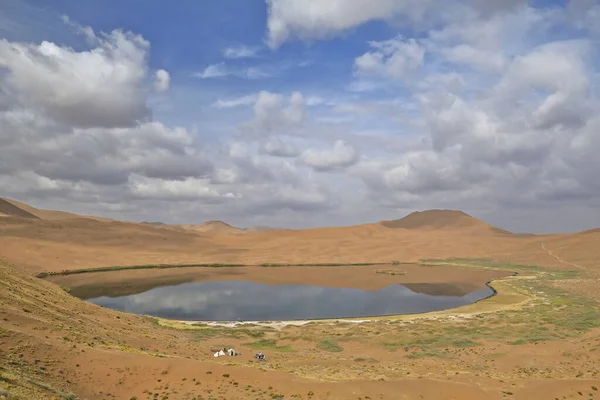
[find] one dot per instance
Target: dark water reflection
(250, 301)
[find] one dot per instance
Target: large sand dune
(52, 244)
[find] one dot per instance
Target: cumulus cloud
(99, 87)
(394, 58)
(276, 147)
(190, 189)
(560, 68)
(500, 115)
(162, 80)
(473, 56)
(273, 112)
(342, 155)
(499, 148)
(316, 19)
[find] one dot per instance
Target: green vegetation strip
(172, 266)
(457, 262)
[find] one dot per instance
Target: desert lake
(282, 293)
(250, 301)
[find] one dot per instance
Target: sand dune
(441, 219)
(51, 215)
(80, 242)
(8, 209)
(212, 227)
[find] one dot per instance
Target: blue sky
(303, 113)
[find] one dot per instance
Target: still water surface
(250, 301)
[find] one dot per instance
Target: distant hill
(8, 209)
(440, 219)
(213, 227)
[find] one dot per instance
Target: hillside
(80, 243)
(212, 227)
(49, 215)
(441, 219)
(8, 209)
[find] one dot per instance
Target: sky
(303, 113)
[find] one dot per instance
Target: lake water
(250, 301)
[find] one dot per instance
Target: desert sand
(538, 339)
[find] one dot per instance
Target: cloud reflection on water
(250, 301)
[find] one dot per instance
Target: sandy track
(557, 258)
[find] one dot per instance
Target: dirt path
(557, 258)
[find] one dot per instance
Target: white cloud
(86, 31)
(317, 19)
(271, 113)
(395, 58)
(559, 67)
(213, 71)
(342, 155)
(240, 51)
(163, 80)
(99, 87)
(222, 70)
(189, 188)
(276, 147)
(235, 102)
(469, 55)
(500, 115)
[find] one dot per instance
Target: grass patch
(329, 344)
(152, 320)
(205, 333)
(553, 314)
(563, 275)
(482, 263)
(320, 265)
(269, 344)
(392, 272)
(531, 339)
(366, 360)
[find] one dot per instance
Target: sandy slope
(8, 209)
(74, 243)
(50, 215)
(212, 227)
(94, 351)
